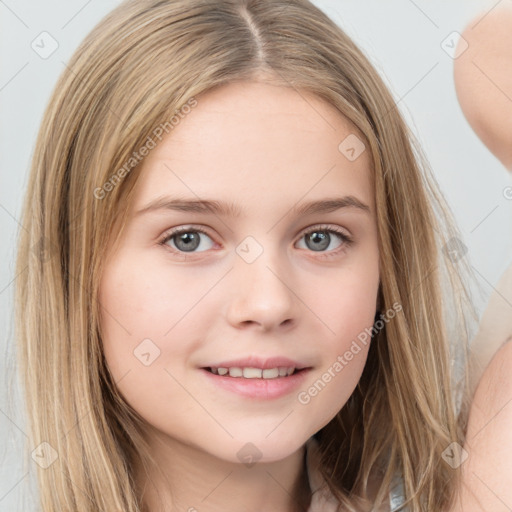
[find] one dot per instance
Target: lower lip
(266, 389)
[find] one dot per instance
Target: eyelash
(347, 241)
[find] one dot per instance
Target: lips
(257, 388)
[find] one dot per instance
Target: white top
(322, 499)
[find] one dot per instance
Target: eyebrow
(230, 209)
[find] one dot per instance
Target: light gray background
(401, 37)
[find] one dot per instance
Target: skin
(266, 149)
(485, 96)
(483, 79)
(483, 82)
(487, 471)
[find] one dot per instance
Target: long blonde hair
(137, 69)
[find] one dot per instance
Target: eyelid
(325, 227)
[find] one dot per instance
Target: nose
(261, 296)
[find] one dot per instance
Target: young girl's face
(257, 273)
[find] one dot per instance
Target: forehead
(250, 140)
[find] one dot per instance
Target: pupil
(191, 241)
(319, 236)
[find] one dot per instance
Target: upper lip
(256, 362)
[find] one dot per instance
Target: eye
(186, 239)
(320, 238)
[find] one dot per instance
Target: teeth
(255, 373)
(270, 373)
(236, 372)
(248, 373)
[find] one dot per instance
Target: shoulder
(494, 331)
(487, 471)
(495, 328)
(494, 390)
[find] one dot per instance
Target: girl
(237, 298)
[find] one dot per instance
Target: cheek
(347, 311)
(344, 359)
(136, 312)
(346, 302)
(139, 300)
(145, 309)
(139, 307)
